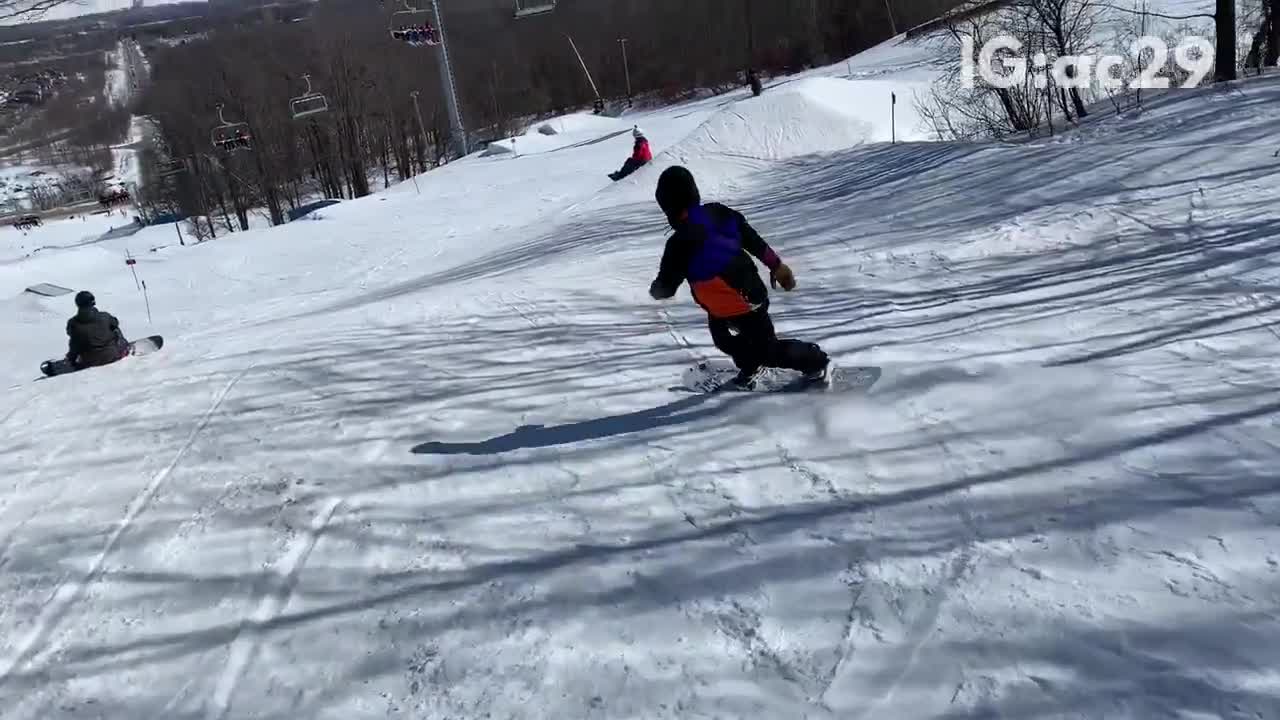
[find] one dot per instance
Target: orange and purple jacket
(710, 249)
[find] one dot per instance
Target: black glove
(658, 292)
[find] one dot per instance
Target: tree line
(508, 73)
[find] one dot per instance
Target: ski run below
(418, 454)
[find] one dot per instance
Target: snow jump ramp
(48, 290)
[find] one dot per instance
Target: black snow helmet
(677, 192)
(85, 299)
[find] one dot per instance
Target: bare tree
(1262, 17)
(1271, 21)
(966, 108)
(509, 74)
(28, 10)
(1225, 27)
(1069, 30)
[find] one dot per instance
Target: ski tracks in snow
(272, 600)
(17, 407)
(6, 541)
(69, 591)
(889, 619)
(746, 623)
(892, 617)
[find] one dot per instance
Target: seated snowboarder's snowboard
(142, 346)
(714, 376)
(146, 345)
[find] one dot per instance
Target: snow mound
(33, 310)
(899, 58)
(806, 117)
(575, 123)
(66, 232)
(65, 268)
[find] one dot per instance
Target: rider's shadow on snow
(528, 437)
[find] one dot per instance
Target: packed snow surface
(577, 122)
(419, 455)
(811, 115)
(565, 131)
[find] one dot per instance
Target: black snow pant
(628, 167)
(752, 343)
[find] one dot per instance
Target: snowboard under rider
(710, 249)
(641, 155)
(94, 336)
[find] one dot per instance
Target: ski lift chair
(308, 103)
(413, 26)
(230, 137)
(529, 8)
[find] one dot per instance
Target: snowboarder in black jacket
(94, 336)
(710, 250)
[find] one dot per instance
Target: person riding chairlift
(641, 155)
(417, 35)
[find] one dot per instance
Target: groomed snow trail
(69, 591)
(420, 456)
(240, 655)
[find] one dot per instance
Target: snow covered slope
(562, 132)
(419, 456)
(127, 77)
(813, 115)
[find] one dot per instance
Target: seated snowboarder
(640, 156)
(94, 336)
(710, 249)
(753, 79)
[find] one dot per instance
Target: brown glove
(783, 276)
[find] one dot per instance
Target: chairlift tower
(426, 28)
(457, 131)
